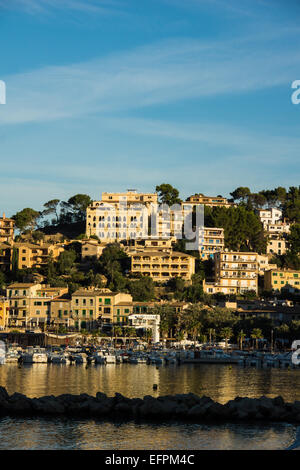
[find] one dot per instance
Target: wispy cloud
(161, 73)
(47, 6)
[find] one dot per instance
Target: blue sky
(105, 95)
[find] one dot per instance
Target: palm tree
(256, 334)
(190, 322)
(118, 331)
(226, 333)
(148, 335)
(212, 334)
(241, 336)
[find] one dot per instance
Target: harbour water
(220, 382)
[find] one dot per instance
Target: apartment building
(270, 216)
(235, 273)
(276, 244)
(145, 322)
(280, 228)
(92, 307)
(148, 244)
(5, 257)
(61, 312)
(35, 255)
(264, 265)
(211, 241)
(132, 215)
(120, 216)
(162, 265)
(91, 249)
(6, 229)
(150, 307)
(30, 304)
(212, 201)
(4, 306)
(277, 279)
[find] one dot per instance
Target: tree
(293, 239)
(168, 319)
(113, 259)
(226, 333)
(190, 321)
(241, 336)
(26, 219)
(256, 334)
(241, 194)
(167, 194)
(243, 230)
(148, 334)
(74, 210)
(51, 208)
(38, 236)
(66, 261)
(117, 331)
(258, 200)
(212, 334)
(142, 289)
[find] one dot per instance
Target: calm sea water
(220, 382)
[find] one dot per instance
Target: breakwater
(179, 407)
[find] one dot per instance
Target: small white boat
(12, 356)
(110, 359)
(59, 359)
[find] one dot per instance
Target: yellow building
(5, 256)
(163, 265)
(148, 244)
(30, 304)
(6, 229)
(235, 272)
(92, 307)
(276, 279)
(211, 241)
(61, 312)
(4, 306)
(212, 201)
(276, 244)
(264, 265)
(35, 255)
(120, 216)
(91, 249)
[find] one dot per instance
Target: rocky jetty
(180, 407)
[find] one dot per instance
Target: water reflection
(220, 382)
(39, 433)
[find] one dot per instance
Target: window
(107, 301)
